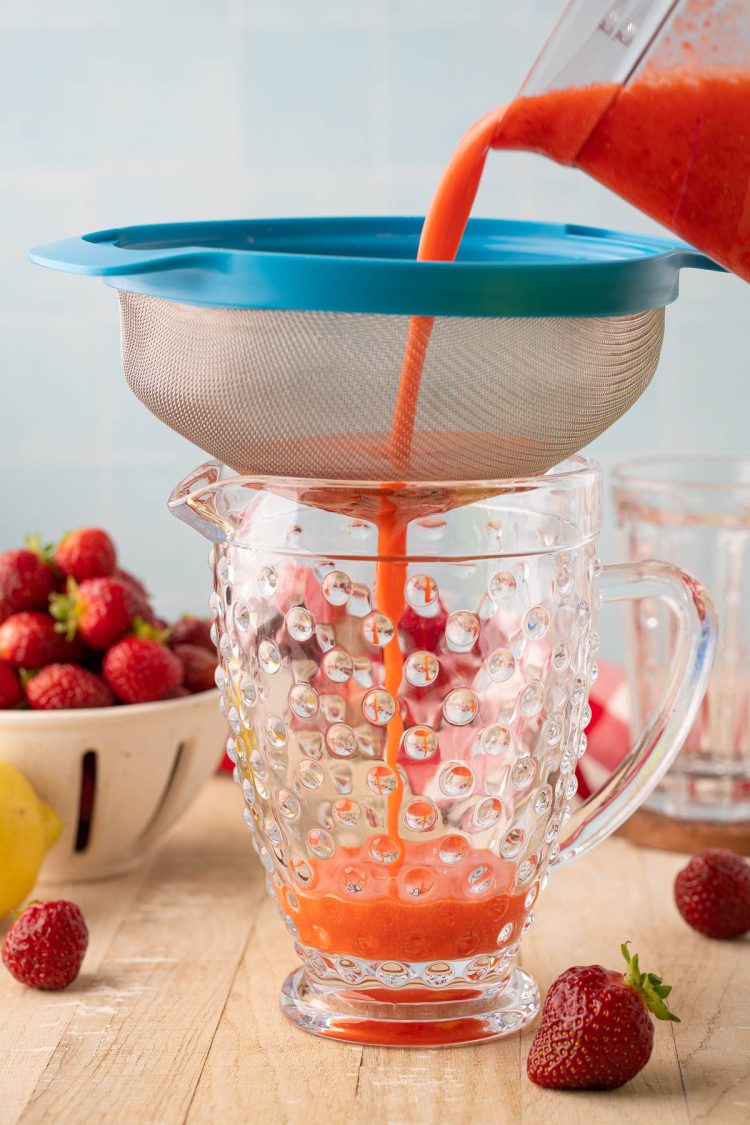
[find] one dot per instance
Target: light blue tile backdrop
(177, 109)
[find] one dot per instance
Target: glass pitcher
(695, 509)
(651, 98)
(406, 823)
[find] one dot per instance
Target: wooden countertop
(175, 1015)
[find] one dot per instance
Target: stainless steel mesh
(311, 394)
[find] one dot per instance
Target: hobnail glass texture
(406, 825)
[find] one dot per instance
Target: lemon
(28, 828)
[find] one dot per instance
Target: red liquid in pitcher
(421, 909)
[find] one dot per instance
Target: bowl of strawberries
(109, 712)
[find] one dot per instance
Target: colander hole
(86, 800)
(166, 791)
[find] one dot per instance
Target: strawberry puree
(390, 576)
(422, 909)
(414, 1033)
(674, 142)
(442, 232)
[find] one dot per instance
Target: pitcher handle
(645, 765)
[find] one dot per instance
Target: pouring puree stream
(676, 143)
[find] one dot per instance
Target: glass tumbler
(405, 671)
(695, 511)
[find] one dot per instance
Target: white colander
(118, 777)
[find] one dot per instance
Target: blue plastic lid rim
(367, 265)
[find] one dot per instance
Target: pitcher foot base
(448, 1020)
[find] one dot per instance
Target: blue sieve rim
(367, 265)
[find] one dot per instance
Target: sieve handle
(105, 254)
(667, 728)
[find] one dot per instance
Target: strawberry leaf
(45, 552)
(148, 632)
(66, 609)
(649, 986)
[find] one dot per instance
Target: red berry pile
(76, 630)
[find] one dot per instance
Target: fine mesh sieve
(311, 394)
(277, 345)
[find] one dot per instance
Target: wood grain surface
(175, 1016)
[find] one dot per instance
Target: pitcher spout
(199, 501)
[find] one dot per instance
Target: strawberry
(46, 944)
(11, 691)
(713, 893)
(131, 580)
(30, 640)
(26, 580)
(100, 610)
(141, 670)
(142, 598)
(61, 686)
(596, 1031)
(423, 632)
(179, 692)
(192, 631)
(86, 553)
(198, 667)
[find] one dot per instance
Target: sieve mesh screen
(311, 394)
